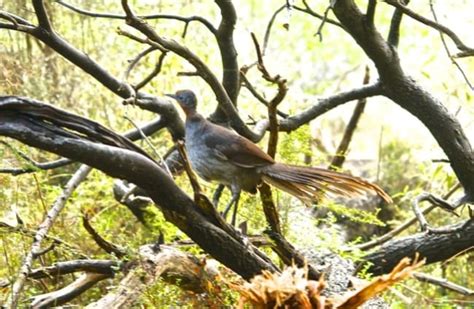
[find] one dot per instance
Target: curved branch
(294, 122)
(106, 267)
(41, 15)
(225, 41)
(186, 20)
(16, 23)
(73, 290)
(134, 134)
(370, 14)
(37, 166)
(230, 67)
(307, 9)
(394, 32)
(457, 41)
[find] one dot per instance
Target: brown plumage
(219, 154)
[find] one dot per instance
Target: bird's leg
(234, 214)
(233, 201)
(217, 195)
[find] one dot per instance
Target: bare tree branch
(370, 14)
(394, 32)
(341, 152)
(42, 16)
(105, 245)
(106, 267)
(458, 66)
(76, 288)
(268, 30)
(230, 67)
(457, 41)
(152, 74)
(434, 247)
(186, 20)
(444, 283)
(307, 9)
(255, 93)
(136, 60)
(402, 227)
(324, 105)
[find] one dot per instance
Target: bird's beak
(171, 95)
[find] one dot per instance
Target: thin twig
(257, 95)
(439, 202)
(36, 165)
(147, 140)
(153, 73)
(442, 282)
(340, 156)
(266, 38)
(319, 32)
(31, 233)
(107, 246)
(186, 20)
(433, 24)
(43, 229)
(307, 9)
(458, 66)
(137, 59)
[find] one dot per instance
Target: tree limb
(106, 267)
(186, 20)
(324, 105)
(434, 247)
(230, 67)
(457, 41)
(76, 288)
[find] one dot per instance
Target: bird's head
(186, 99)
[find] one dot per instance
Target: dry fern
(292, 289)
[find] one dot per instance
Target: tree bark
(435, 247)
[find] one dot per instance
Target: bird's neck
(190, 112)
(194, 116)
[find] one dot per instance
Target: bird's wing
(234, 148)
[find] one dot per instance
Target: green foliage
(354, 214)
(299, 139)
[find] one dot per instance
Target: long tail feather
(311, 183)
